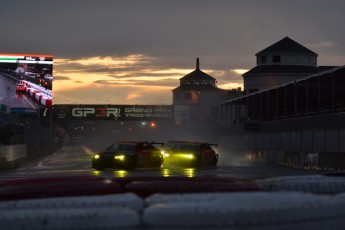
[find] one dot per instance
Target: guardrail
(39, 93)
(84, 202)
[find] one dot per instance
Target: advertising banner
(113, 112)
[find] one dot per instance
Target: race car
(128, 155)
(189, 154)
(20, 88)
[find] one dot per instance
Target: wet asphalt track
(74, 159)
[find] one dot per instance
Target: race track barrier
(239, 210)
(93, 202)
(39, 93)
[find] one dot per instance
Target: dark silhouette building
(293, 112)
(284, 61)
(198, 97)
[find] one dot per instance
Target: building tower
(284, 61)
(198, 98)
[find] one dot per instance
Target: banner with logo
(113, 112)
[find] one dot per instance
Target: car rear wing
(156, 143)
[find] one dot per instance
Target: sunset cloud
(106, 94)
(132, 96)
(57, 78)
(326, 44)
(239, 71)
(108, 61)
(139, 74)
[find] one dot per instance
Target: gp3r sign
(97, 112)
(113, 112)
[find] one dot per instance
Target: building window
(276, 58)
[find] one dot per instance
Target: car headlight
(119, 157)
(96, 156)
(164, 154)
(189, 156)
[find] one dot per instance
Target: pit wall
(311, 148)
(32, 138)
(12, 156)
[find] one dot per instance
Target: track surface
(75, 159)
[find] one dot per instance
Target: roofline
(286, 83)
(266, 53)
(255, 74)
(286, 37)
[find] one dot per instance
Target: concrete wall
(13, 152)
(311, 140)
(12, 155)
(312, 147)
(29, 137)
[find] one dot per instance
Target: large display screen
(26, 82)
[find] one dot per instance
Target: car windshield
(122, 147)
(185, 147)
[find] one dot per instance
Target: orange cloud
(134, 78)
(239, 71)
(132, 96)
(114, 61)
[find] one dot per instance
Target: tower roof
(286, 45)
(282, 69)
(205, 87)
(197, 74)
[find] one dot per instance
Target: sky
(135, 51)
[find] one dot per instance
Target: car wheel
(131, 163)
(196, 163)
(214, 161)
(98, 167)
(129, 166)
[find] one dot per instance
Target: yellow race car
(189, 154)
